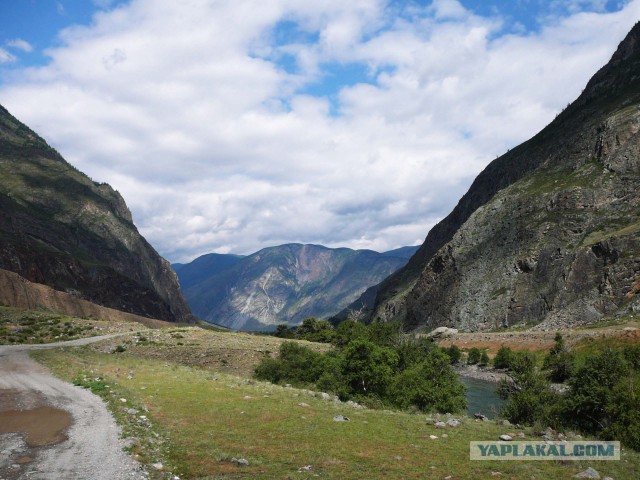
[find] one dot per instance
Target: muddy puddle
(40, 426)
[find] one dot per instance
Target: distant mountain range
(61, 229)
(283, 284)
(548, 234)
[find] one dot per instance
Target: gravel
(93, 450)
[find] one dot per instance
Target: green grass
(601, 235)
(209, 417)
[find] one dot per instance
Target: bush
(348, 331)
(474, 356)
(624, 412)
(559, 363)
(429, 385)
(484, 358)
(527, 391)
(296, 365)
(590, 396)
(454, 353)
(368, 368)
(503, 358)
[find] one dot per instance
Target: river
(482, 397)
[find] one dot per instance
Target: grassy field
(198, 418)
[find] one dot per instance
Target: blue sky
(233, 125)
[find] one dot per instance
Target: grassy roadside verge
(203, 418)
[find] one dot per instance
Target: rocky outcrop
(61, 229)
(548, 234)
(284, 284)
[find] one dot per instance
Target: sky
(233, 125)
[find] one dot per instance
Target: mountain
(61, 229)
(283, 284)
(203, 268)
(549, 232)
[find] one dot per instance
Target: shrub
(591, 390)
(474, 356)
(527, 391)
(559, 363)
(503, 358)
(454, 353)
(484, 358)
(429, 385)
(368, 368)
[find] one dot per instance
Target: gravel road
(92, 449)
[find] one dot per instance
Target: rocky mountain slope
(547, 234)
(283, 284)
(61, 229)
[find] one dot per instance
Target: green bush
(559, 363)
(587, 404)
(430, 385)
(503, 358)
(368, 368)
(484, 358)
(474, 356)
(454, 353)
(528, 395)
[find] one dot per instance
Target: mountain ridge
(594, 128)
(284, 284)
(61, 229)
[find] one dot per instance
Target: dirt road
(50, 429)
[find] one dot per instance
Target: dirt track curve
(35, 410)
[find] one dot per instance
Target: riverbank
(476, 372)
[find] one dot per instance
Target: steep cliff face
(59, 228)
(284, 284)
(549, 232)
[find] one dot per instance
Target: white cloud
(6, 57)
(20, 44)
(183, 109)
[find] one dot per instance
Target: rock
(506, 438)
(240, 461)
(132, 411)
(433, 437)
(324, 396)
(158, 466)
(304, 405)
(306, 468)
(506, 422)
(340, 418)
(588, 473)
(247, 397)
(452, 422)
(480, 416)
(444, 435)
(520, 434)
(442, 332)
(440, 424)
(397, 457)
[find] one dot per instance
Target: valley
(203, 413)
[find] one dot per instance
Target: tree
(559, 362)
(315, 330)
(347, 331)
(587, 403)
(474, 356)
(455, 354)
(430, 385)
(484, 358)
(368, 368)
(527, 391)
(283, 331)
(503, 358)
